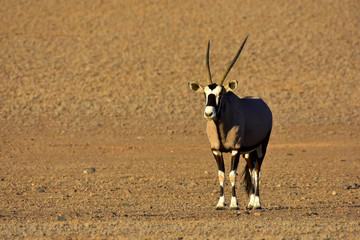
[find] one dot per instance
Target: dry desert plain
(101, 138)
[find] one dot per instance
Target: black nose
(209, 114)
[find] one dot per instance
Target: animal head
(215, 91)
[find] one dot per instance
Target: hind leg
(251, 163)
(255, 159)
(254, 163)
(255, 176)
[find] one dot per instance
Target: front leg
(235, 156)
(221, 175)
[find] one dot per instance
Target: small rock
(246, 212)
(334, 193)
(353, 186)
(257, 214)
(313, 214)
(89, 170)
(193, 184)
(40, 190)
(61, 218)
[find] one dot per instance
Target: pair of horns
(222, 79)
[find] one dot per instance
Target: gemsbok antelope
(240, 126)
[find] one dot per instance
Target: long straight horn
(232, 63)
(208, 64)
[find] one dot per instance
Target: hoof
(253, 207)
(234, 208)
(220, 208)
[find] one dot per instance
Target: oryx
(240, 126)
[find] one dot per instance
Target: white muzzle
(209, 113)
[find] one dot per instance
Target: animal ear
(231, 86)
(195, 87)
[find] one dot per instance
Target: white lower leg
(252, 201)
(252, 196)
(234, 202)
(221, 203)
(257, 203)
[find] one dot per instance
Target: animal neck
(219, 110)
(218, 121)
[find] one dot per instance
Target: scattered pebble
(89, 170)
(61, 218)
(40, 190)
(313, 214)
(334, 193)
(353, 186)
(246, 212)
(257, 214)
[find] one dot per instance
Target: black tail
(247, 179)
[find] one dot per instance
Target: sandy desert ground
(102, 139)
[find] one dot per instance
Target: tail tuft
(247, 179)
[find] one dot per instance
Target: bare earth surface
(101, 138)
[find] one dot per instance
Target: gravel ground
(101, 137)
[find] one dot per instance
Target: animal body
(240, 126)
